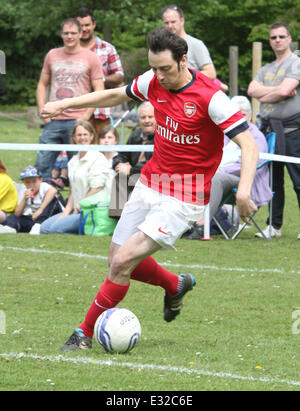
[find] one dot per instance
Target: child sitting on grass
(37, 202)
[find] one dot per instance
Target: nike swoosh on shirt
(161, 231)
(161, 101)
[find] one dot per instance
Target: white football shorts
(161, 217)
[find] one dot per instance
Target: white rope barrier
(135, 148)
(75, 147)
(124, 147)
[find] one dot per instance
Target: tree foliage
(28, 29)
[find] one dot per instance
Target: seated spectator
(228, 175)
(128, 165)
(88, 174)
(109, 136)
(8, 194)
(60, 171)
(37, 201)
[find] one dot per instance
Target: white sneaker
(270, 232)
(298, 237)
(6, 229)
(35, 230)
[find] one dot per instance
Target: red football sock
(109, 295)
(149, 271)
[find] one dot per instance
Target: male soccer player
(192, 115)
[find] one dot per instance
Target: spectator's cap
(30, 171)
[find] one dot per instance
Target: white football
(117, 330)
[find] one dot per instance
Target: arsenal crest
(189, 109)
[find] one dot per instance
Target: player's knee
(120, 266)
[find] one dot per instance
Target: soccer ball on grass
(117, 330)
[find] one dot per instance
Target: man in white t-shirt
(192, 114)
(198, 56)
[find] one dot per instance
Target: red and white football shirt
(189, 134)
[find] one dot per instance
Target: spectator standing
(71, 71)
(109, 57)
(276, 86)
(198, 56)
(128, 164)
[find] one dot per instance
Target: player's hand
(52, 109)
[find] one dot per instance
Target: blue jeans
(24, 223)
(54, 132)
(66, 225)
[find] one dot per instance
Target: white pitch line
(154, 367)
(168, 264)
(40, 250)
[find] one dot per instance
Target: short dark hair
(70, 21)
(172, 7)
(162, 39)
(279, 24)
(106, 129)
(84, 12)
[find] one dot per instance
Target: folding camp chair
(230, 198)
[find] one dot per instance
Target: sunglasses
(172, 7)
(281, 37)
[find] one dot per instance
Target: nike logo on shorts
(161, 231)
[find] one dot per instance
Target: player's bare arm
(97, 84)
(102, 98)
(249, 159)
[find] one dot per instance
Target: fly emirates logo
(170, 133)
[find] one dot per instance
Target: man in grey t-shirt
(198, 56)
(276, 86)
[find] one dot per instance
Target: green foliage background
(28, 29)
